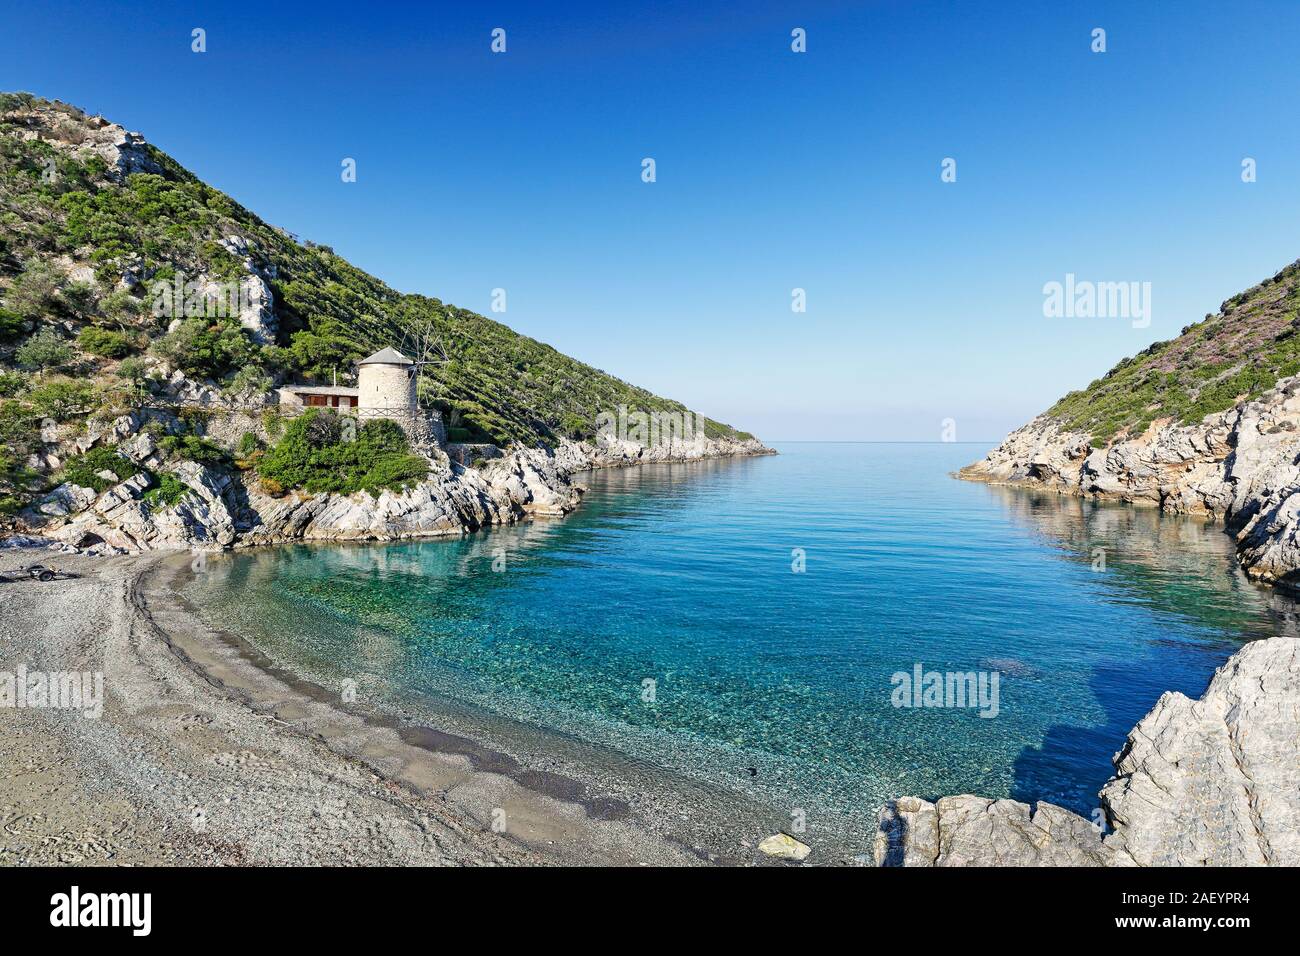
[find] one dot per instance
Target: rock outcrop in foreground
(1210, 782)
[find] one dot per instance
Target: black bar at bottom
(337, 906)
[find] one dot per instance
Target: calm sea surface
(663, 625)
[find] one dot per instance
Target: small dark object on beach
(45, 574)
(753, 771)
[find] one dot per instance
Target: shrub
(80, 299)
(120, 307)
(20, 433)
(62, 398)
(84, 469)
(273, 422)
(42, 351)
(106, 343)
(16, 101)
(19, 425)
(575, 426)
(316, 455)
(11, 324)
(206, 347)
(11, 383)
(35, 292)
(134, 370)
(167, 492)
(194, 448)
(251, 379)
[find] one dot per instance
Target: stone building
(386, 388)
(386, 381)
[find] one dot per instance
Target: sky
(775, 170)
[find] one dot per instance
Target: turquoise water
(770, 684)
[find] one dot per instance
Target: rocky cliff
(222, 508)
(1239, 467)
(1210, 782)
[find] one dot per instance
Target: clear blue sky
(775, 170)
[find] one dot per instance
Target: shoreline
(1284, 581)
(281, 771)
(221, 510)
(412, 753)
(1235, 468)
(286, 773)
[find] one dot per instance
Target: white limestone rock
(67, 499)
(973, 831)
(1216, 781)
(230, 509)
(785, 847)
(1241, 466)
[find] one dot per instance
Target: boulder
(1216, 781)
(67, 499)
(973, 831)
(785, 847)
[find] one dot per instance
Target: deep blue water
(682, 575)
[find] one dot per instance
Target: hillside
(92, 218)
(1235, 355)
(1205, 424)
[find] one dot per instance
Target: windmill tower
(387, 387)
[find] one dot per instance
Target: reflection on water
(768, 684)
(1183, 566)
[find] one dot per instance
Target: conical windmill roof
(387, 356)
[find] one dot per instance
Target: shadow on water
(1178, 566)
(1040, 770)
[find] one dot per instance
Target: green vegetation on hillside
(1235, 355)
(322, 452)
(20, 434)
(59, 204)
(92, 469)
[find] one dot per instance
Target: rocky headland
(142, 353)
(221, 508)
(1203, 424)
(1239, 467)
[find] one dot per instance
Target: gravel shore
(203, 757)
